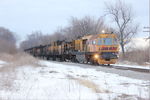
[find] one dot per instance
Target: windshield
(100, 41)
(108, 41)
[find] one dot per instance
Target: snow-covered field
(53, 81)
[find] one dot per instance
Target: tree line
(7, 41)
(76, 29)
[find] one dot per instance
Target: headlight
(96, 56)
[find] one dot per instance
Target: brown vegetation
(139, 56)
(89, 84)
(19, 59)
(7, 41)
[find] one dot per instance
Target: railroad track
(117, 67)
(129, 68)
(120, 67)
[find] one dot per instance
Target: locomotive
(94, 49)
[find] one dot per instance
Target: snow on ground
(2, 63)
(53, 81)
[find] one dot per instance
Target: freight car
(94, 49)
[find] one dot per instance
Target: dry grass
(19, 59)
(6, 57)
(139, 56)
(89, 84)
(8, 71)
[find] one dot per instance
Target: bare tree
(34, 39)
(37, 39)
(7, 41)
(58, 35)
(85, 26)
(76, 29)
(122, 15)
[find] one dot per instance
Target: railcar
(94, 49)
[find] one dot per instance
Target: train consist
(94, 49)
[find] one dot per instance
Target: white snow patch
(2, 63)
(62, 82)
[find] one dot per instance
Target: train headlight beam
(96, 56)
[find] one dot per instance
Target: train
(97, 49)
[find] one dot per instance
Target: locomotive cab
(105, 48)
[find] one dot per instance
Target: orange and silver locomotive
(94, 49)
(97, 49)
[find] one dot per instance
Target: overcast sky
(25, 16)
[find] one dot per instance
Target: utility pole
(148, 39)
(148, 31)
(149, 45)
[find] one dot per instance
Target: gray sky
(25, 16)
